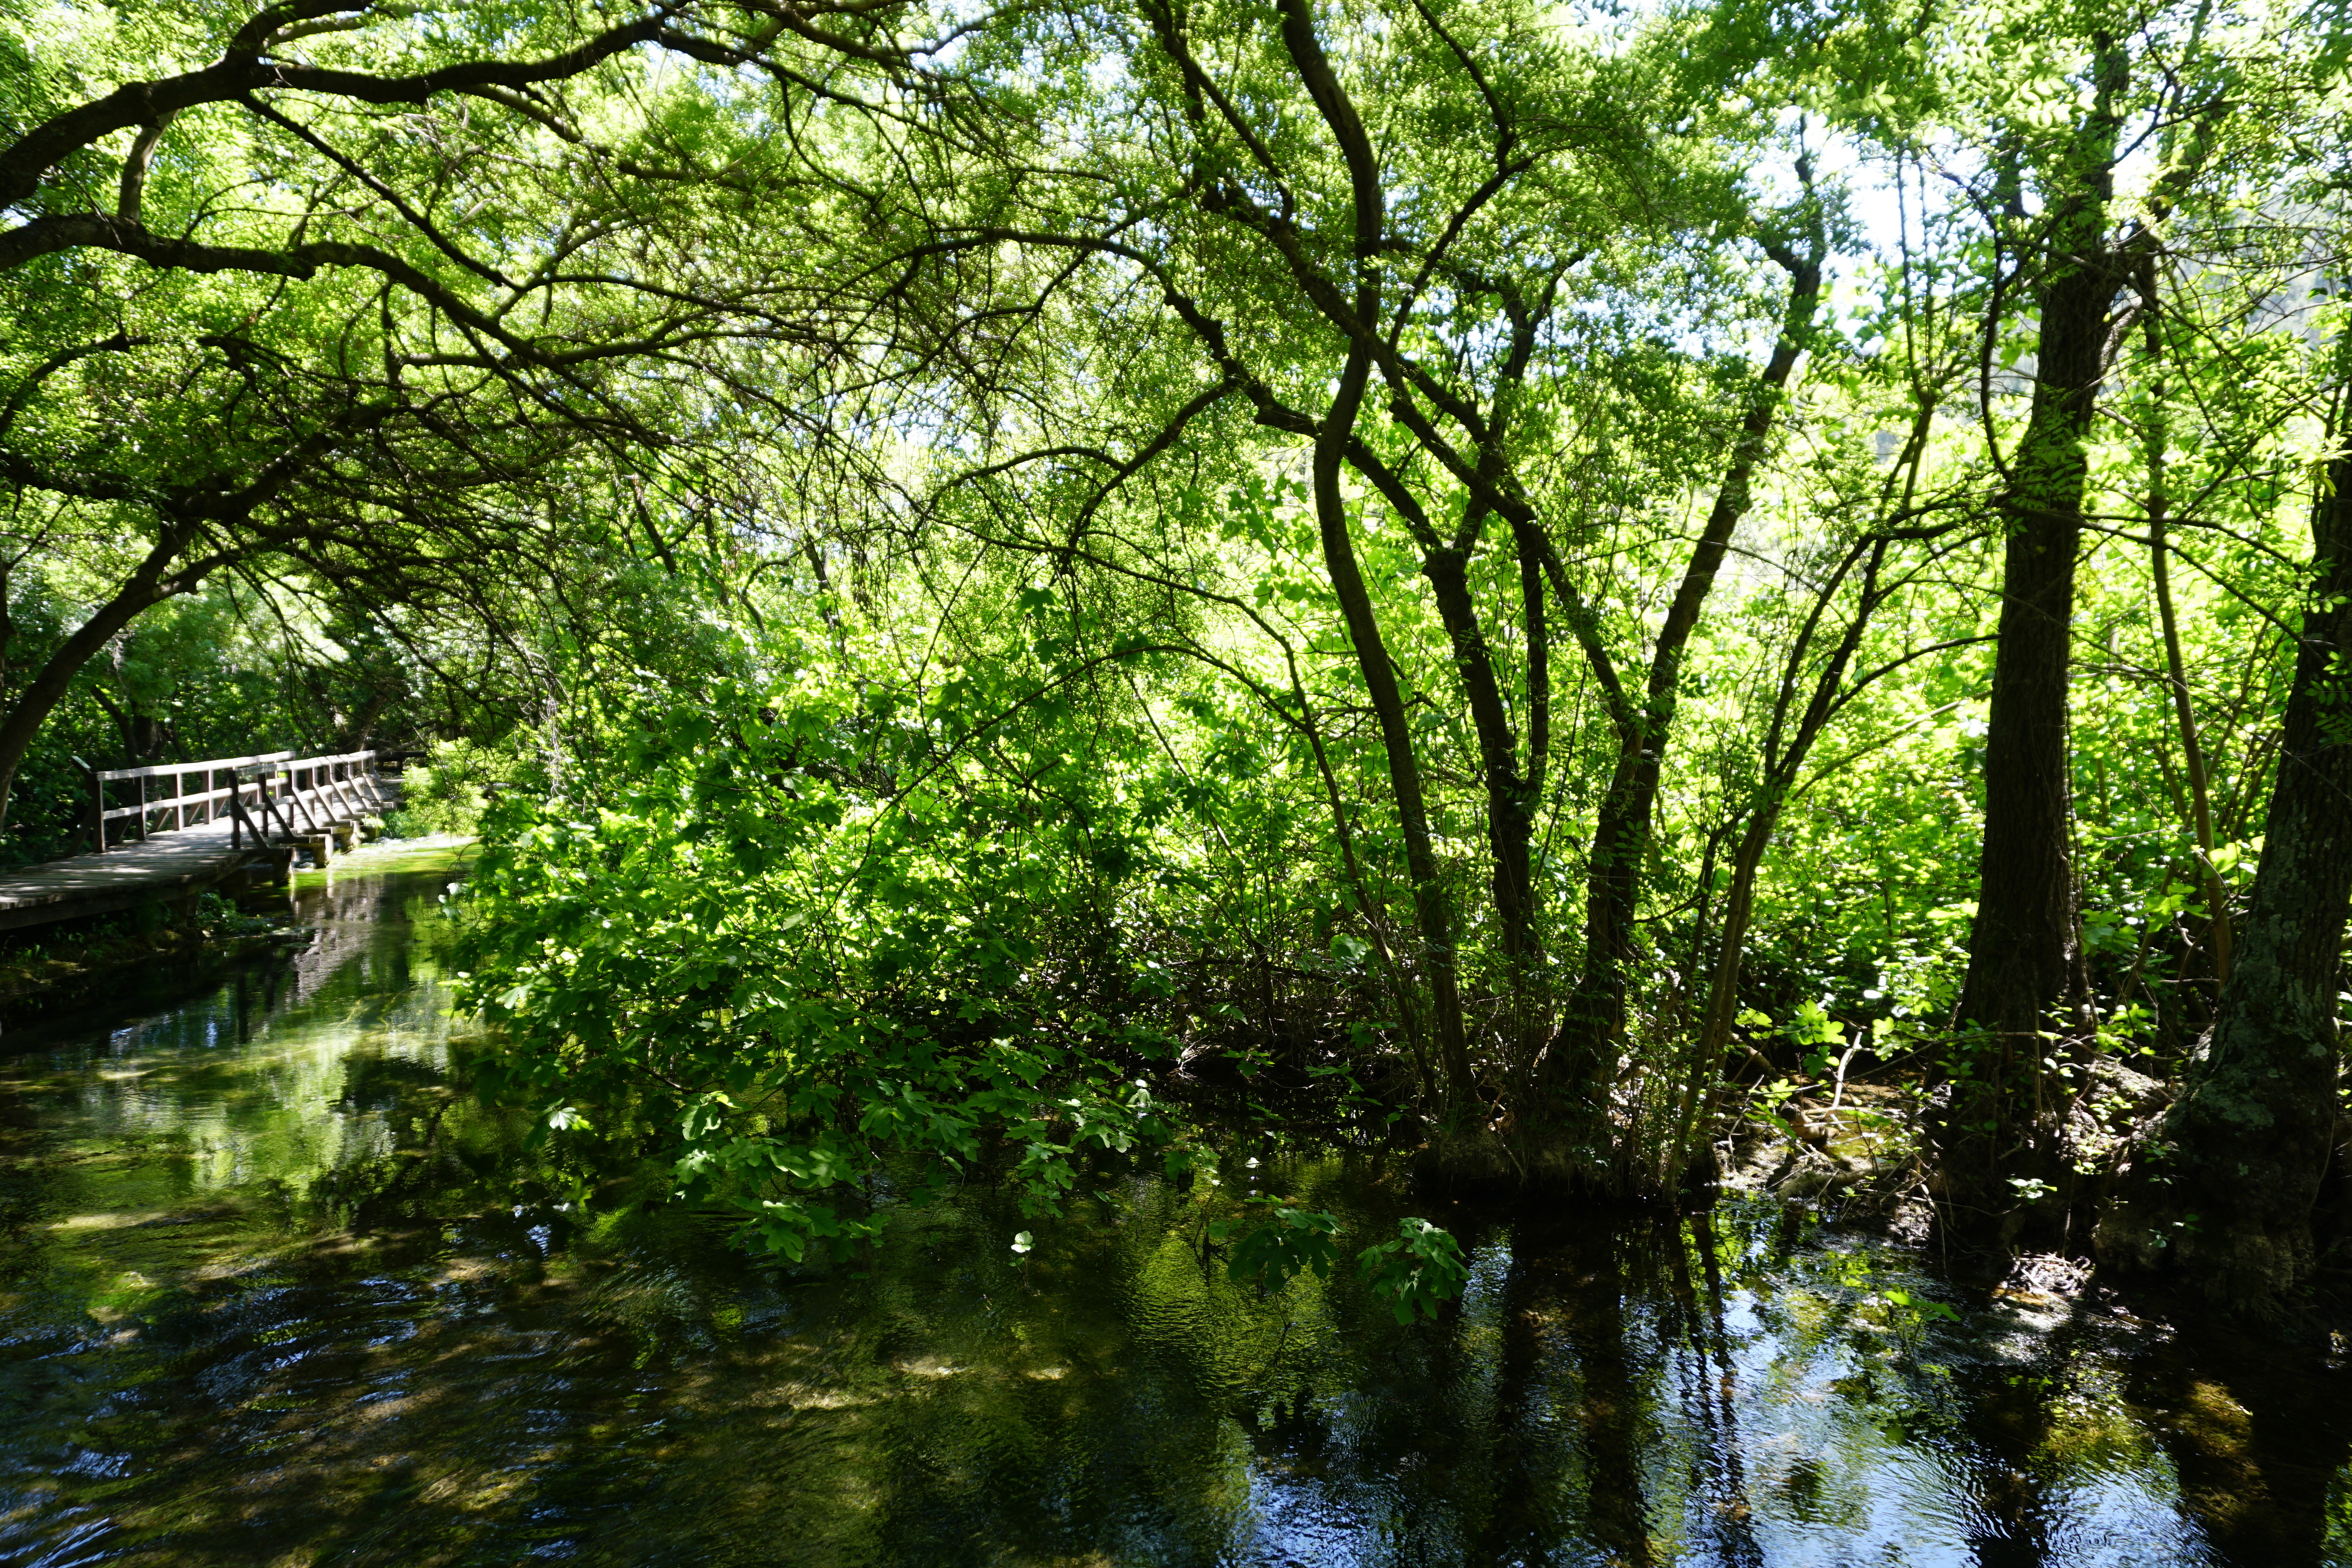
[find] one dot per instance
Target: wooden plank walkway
(285, 803)
(167, 866)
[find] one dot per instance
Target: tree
(352, 304)
(2025, 1010)
(2224, 1196)
(1583, 1058)
(2025, 981)
(1425, 219)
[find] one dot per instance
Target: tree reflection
(2257, 1430)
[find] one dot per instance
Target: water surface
(274, 1289)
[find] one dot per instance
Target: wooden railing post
(97, 807)
(286, 803)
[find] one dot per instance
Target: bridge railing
(275, 794)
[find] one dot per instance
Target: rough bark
(2025, 987)
(2223, 1196)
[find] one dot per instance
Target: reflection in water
(275, 1289)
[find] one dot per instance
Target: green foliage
(756, 962)
(875, 541)
(1278, 1244)
(448, 790)
(219, 917)
(819, 949)
(1415, 1269)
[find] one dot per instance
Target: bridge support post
(97, 807)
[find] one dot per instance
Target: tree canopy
(1549, 579)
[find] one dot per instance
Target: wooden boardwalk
(273, 807)
(168, 866)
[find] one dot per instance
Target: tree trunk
(1510, 815)
(2025, 982)
(1431, 911)
(2224, 1196)
(2176, 669)
(355, 735)
(1333, 435)
(23, 721)
(1581, 1062)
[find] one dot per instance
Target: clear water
(274, 1290)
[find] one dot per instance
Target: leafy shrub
(448, 793)
(219, 917)
(810, 992)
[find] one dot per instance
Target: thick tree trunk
(2224, 1196)
(2022, 992)
(2025, 989)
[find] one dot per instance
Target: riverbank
(51, 974)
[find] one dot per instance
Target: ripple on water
(283, 1292)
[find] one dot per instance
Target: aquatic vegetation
(270, 1245)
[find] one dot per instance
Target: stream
(275, 1289)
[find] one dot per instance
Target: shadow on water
(274, 1288)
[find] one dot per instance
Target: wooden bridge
(154, 841)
